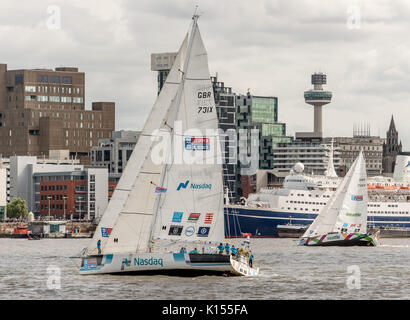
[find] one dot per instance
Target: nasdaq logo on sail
(184, 185)
(357, 198)
(193, 144)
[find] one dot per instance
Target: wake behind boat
(171, 192)
(343, 222)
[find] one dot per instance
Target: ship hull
(181, 264)
(341, 240)
(262, 223)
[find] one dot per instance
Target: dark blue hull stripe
(263, 223)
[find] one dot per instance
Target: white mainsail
(347, 208)
(130, 175)
(189, 202)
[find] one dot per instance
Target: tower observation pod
(318, 98)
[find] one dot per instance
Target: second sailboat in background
(343, 222)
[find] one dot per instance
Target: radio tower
(318, 98)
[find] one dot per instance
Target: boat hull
(263, 223)
(182, 264)
(341, 239)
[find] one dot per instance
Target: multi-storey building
(43, 110)
(114, 153)
(307, 148)
(257, 114)
(349, 148)
(79, 194)
(226, 110)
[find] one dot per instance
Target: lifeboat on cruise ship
(391, 187)
(404, 187)
(379, 187)
(370, 186)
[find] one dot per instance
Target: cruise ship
(303, 196)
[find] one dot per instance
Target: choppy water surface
(286, 272)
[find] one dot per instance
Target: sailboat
(343, 221)
(170, 196)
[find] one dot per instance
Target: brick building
(44, 109)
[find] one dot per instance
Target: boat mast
(177, 101)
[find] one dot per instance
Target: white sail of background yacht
(330, 170)
(179, 201)
(343, 221)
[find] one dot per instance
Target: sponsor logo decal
(160, 190)
(208, 218)
(175, 230)
(177, 216)
(193, 144)
(183, 185)
(193, 217)
(197, 186)
(189, 231)
(203, 231)
(357, 197)
(90, 263)
(148, 262)
(356, 214)
(105, 232)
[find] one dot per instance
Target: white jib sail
(130, 175)
(341, 210)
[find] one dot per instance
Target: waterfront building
(349, 148)
(391, 148)
(113, 153)
(317, 97)
(257, 113)
(309, 149)
(44, 109)
(78, 194)
(226, 111)
(22, 169)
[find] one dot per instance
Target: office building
(44, 109)
(113, 153)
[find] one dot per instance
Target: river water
(286, 272)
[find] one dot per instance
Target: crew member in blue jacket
(227, 248)
(221, 248)
(250, 259)
(234, 250)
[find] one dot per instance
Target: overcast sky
(271, 47)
